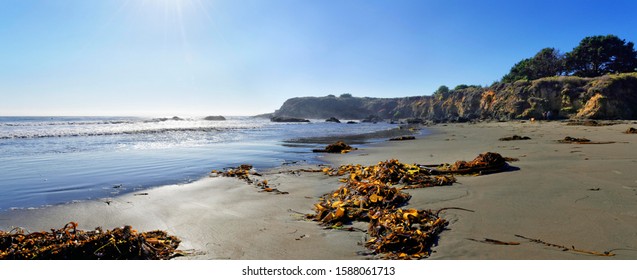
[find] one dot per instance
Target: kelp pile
(573, 140)
(243, 172)
(514, 138)
(631, 130)
(336, 147)
(70, 243)
(402, 138)
(404, 233)
(483, 164)
(369, 195)
(569, 139)
(393, 172)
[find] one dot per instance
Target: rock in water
(288, 119)
(214, 118)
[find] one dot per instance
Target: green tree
(463, 86)
(519, 71)
(441, 92)
(346, 95)
(599, 55)
(546, 63)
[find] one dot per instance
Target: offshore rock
(214, 118)
(333, 119)
(288, 119)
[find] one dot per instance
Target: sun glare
(172, 18)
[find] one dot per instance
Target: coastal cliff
(566, 97)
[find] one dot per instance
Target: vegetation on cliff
(594, 56)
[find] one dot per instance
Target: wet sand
(581, 195)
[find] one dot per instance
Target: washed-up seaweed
(565, 248)
(592, 123)
(515, 138)
(494, 241)
(393, 172)
(404, 233)
(402, 138)
(243, 173)
(569, 139)
(70, 243)
(573, 140)
(337, 147)
(370, 195)
(483, 164)
(631, 130)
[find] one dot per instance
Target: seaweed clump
(631, 130)
(370, 195)
(573, 140)
(243, 172)
(402, 138)
(336, 147)
(483, 164)
(70, 243)
(514, 138)
(569, 139)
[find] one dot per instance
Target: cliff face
(606, 97)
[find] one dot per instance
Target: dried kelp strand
(565, 248)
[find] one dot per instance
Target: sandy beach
(575, 195)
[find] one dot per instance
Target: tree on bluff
(546, 63)
(599, 55)
(594, 56)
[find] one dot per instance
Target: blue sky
(244, 57)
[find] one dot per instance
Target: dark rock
(414, 121)
(372, 119)
(214, 118)
(287, 119)
(333, 119)
(351, 122)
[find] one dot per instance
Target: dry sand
(568, 194)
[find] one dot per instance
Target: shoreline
(568, 194)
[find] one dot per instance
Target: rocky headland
(565, 97)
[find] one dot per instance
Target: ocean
(54, 160)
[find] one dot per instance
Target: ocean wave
(34, 128)
(152, 131)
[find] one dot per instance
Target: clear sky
(244, 57)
